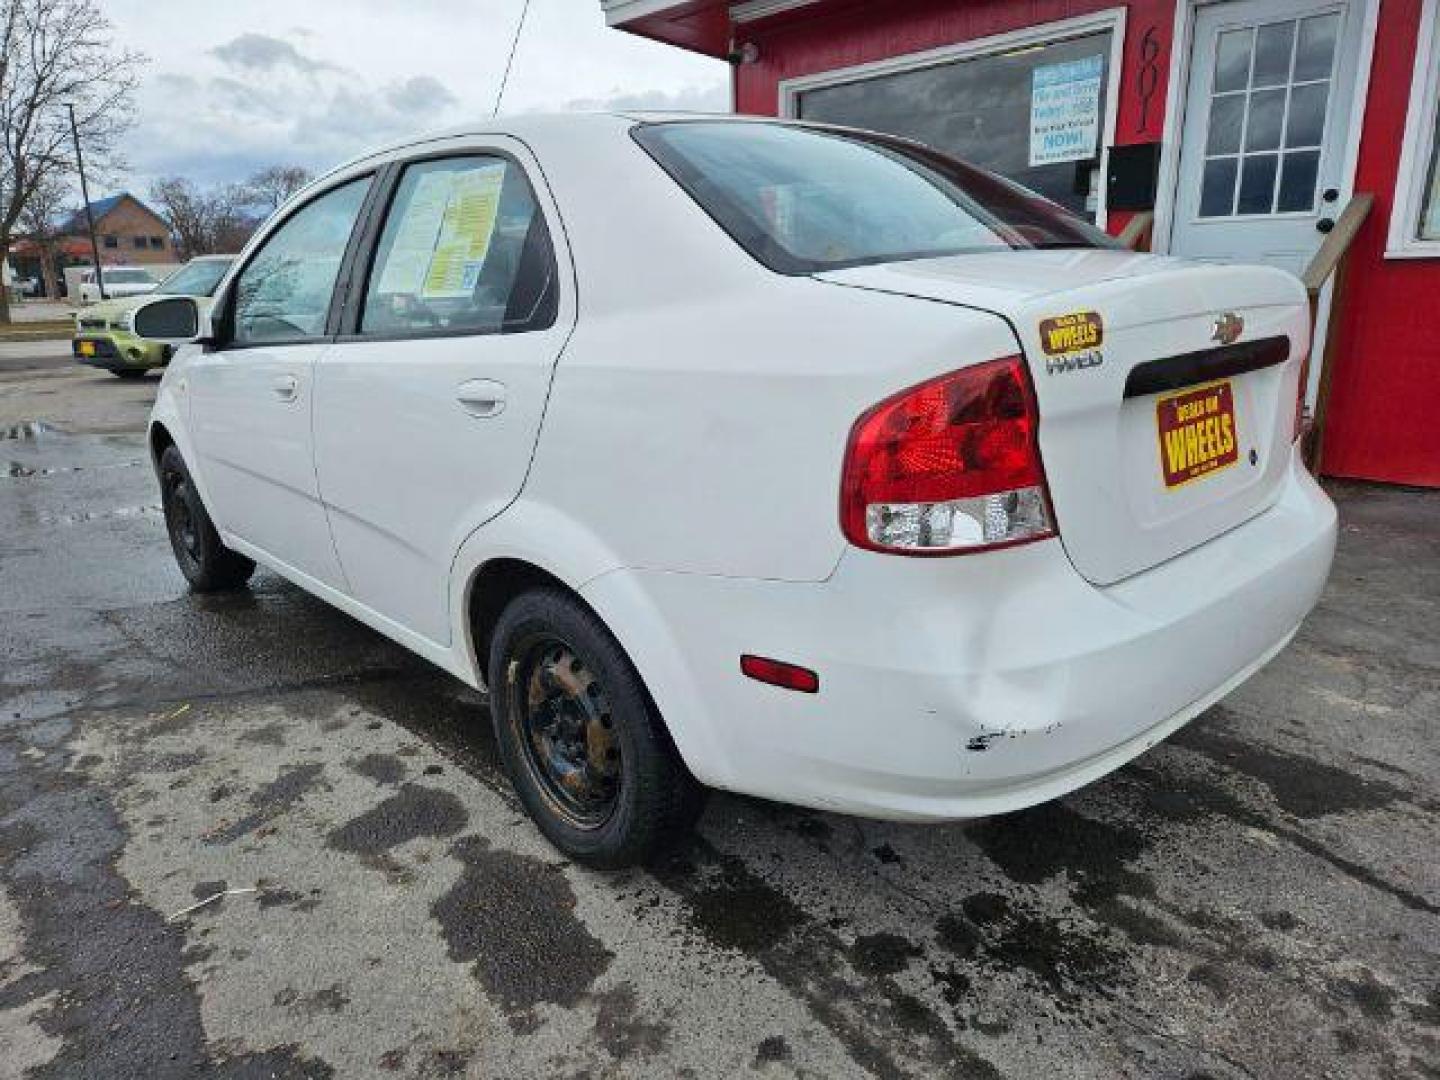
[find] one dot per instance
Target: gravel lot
(1258, 898)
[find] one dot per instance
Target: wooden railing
(1136, 233)
(1329, 265)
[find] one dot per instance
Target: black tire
(208, 565)
(614, 809)
(129, 374)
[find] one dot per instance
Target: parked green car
(105, 332)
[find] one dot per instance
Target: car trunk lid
(1157, 432)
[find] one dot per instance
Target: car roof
(530, 127)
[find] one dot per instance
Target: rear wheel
(585, 748)
(129, 374)
(208, 565)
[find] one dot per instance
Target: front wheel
(208, 565)
(585, 748)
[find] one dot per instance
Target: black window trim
(363, 264)
(226, 321)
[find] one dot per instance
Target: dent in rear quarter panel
(707, 436)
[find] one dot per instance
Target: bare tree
(205, 222)
(43, 222)
(54, 53)
(269, 188)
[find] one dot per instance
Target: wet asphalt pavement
(1258, 898)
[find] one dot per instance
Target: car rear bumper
(961, 687)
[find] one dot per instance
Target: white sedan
(119, 282)
(795, 461)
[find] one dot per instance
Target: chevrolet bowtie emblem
(1228, 328)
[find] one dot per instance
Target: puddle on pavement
(28, 431)
(99, 515)
(17, 469)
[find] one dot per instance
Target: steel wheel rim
(180, 516)
(567, 732)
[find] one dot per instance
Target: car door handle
(285, 387)
(482, 398)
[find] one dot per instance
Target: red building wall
(1385, 394)
(1386, 383)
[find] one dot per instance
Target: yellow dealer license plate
(87, 348)
(1197, 432)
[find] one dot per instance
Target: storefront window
(1033, 112)
(1430, 208)
(1415, 220)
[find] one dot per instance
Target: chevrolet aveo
(795, 461)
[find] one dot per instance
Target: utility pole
(85, 194)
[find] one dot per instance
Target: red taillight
(778, 673)
(949, 466)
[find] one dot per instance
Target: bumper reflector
(778, 673)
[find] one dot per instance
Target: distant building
(129, 234)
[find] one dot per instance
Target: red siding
(1385, 394)
(1386, 386)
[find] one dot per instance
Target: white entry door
(1267, 118)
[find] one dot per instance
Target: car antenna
(509, 63)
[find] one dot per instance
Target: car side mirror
(173, 321)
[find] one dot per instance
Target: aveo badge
(1072, 342)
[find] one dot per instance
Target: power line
(514, 44)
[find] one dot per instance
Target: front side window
(284, 293)
(805, 200)
(464, 250)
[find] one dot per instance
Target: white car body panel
(678, 468)
(1116, 516)
(396, 451)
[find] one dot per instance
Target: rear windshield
(806, 200)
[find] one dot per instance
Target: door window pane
(1306, 122)
(1267, 110)
(1232, 60)
(284, 293)
(464, 250)
(977, 109)
(1226, 115)
(1217, 192)
(1315, 50)
(1273, 45)
(1278, 102)
(1257, 184)
(1297, 181)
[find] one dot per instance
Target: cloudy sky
(235, 85)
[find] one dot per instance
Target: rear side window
(806, 200)
(464, 250)
(284, 292)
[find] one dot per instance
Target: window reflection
(976, 109)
